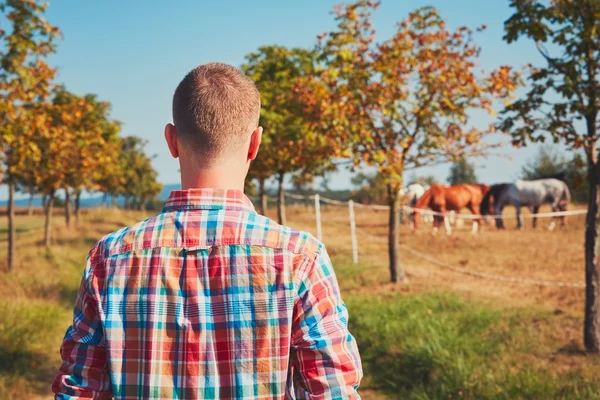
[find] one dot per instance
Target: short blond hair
(215, 108)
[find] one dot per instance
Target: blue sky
(133, 53)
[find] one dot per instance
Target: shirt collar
(208, 199)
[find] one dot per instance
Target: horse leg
(447, 225)
(476, 221)
(563, 220)
(519, 217)
(499, 221)
(444, 217)
(535, 211)
(552, 221)
(436, 222)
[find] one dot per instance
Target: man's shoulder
(151, 232)
(123, 240)
(285, 237)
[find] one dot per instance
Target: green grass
(28, 334)
(413, 345)
(438, 346)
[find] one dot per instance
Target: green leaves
(291, 142)
(566, 88)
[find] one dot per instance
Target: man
(208, 299)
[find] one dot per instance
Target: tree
(24, 78)
(52, 140)
(562, 103)
(289, 143)
(462, 171)
(577, 179)
(422, 180)
(371, 188)
(93, 147)
(548, 163)
(405, 102)
(140, 185)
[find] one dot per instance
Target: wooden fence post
(353, 232)
(318, 217)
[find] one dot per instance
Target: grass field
(444, 335)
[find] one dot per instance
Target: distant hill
(92, 200)
(95, 199)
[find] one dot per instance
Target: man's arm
(326, 355)
(84, 371)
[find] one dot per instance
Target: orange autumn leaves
(406, 101)
(69, 142)
(290, 142)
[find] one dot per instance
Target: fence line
(318, 217)
(435, 213)
(353, 232)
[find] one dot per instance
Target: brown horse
(442, 198)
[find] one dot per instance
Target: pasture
(444, 335)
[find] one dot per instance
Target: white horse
(413, 192)
(530, 194)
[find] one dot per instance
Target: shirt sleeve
(84, 370)
(325, 355)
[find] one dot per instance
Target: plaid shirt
(208, 300)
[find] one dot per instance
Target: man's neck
(212, 180)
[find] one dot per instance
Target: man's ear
(255, 140)
(171, 137)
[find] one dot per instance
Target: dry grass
(533, 334)
(528, 254)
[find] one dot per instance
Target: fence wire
(352, 205)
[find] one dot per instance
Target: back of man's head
(215, 109)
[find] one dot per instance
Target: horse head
(486, 207)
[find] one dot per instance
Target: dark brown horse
(441, 198)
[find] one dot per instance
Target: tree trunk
(48, 212)
(263, 197)
(30, 206)
(67, 208)
(11, 224)
(77, 205)
(591, 330)
(281, 201)
(396, 271)
(103, 202)
(113, 200)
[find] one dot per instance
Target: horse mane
(493, 193)
(423, 201)
(561, 176)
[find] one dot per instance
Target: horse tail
(484, 206)
(565, 198)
